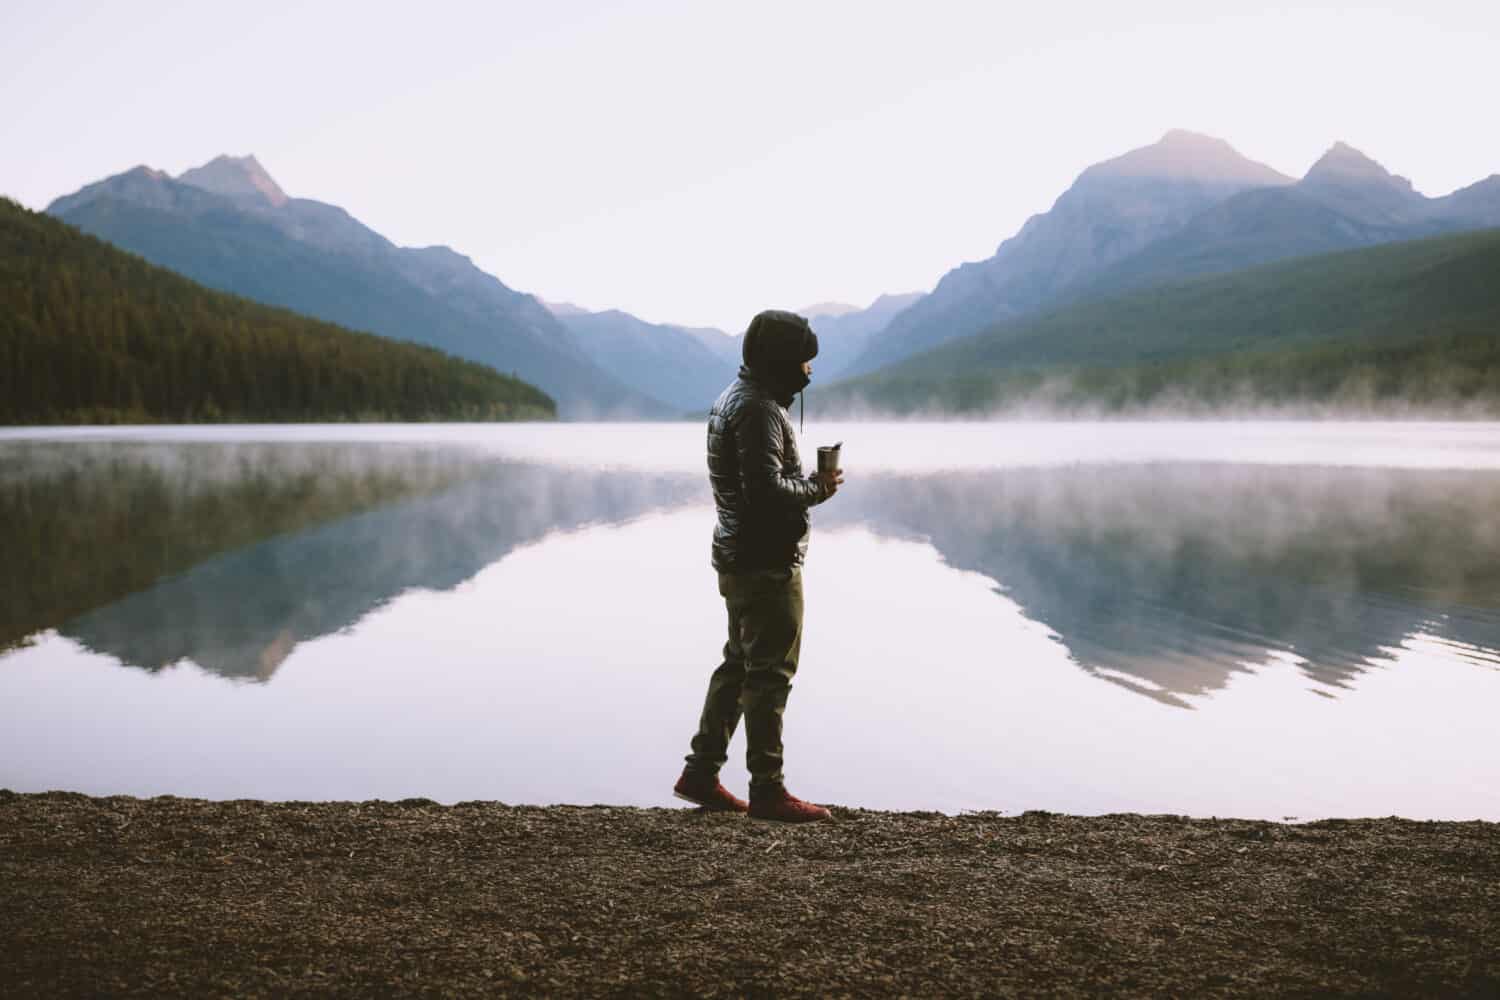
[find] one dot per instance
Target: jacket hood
(777, 339)
(776, 344)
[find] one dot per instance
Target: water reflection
(1165, 579)
(1168, 579)
(85, 524)
(430, 614)
(201, 552)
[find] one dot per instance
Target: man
(760, 540)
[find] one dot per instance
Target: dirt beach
(185, 897)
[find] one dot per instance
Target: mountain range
(681, 366)
(1410, 326)
(688, 366)
(1186, 205)
(91, 334)
(845, 332)
(229, 225)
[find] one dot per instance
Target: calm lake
(1257, 619)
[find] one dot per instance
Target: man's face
(807, 368)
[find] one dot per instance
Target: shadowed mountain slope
(228, 225)
(92, 334)
(1114, 209)
(1346, 201)
(1186, 206)
(1414, 322)
(670, 363)
(844, 335)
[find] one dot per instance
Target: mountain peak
(1183, 138)
(1184, 155)
(140, 184)
(149, 173)
(237, 177)
(1344, 162)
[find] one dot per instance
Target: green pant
(765, 639)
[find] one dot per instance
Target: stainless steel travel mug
(828, 459)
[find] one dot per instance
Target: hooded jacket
(760, 494)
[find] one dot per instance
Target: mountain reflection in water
(394, 519)
(1165, 579)
(464, 617)
(1168, 578)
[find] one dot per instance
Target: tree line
(1400, 329)
(92, 334)
(1455, 374)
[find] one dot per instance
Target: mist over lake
(1252, 619)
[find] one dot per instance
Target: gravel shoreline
(184, 897)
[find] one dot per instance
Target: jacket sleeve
(758, 438)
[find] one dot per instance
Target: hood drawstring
(801, 411)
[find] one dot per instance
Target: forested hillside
(228, 225)
(1412, 324)
(91, 334)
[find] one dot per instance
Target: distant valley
(688, 367)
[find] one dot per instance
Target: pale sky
(697, 162)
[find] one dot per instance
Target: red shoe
(775, 804)
(708, 793)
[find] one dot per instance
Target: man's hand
(831, 483)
